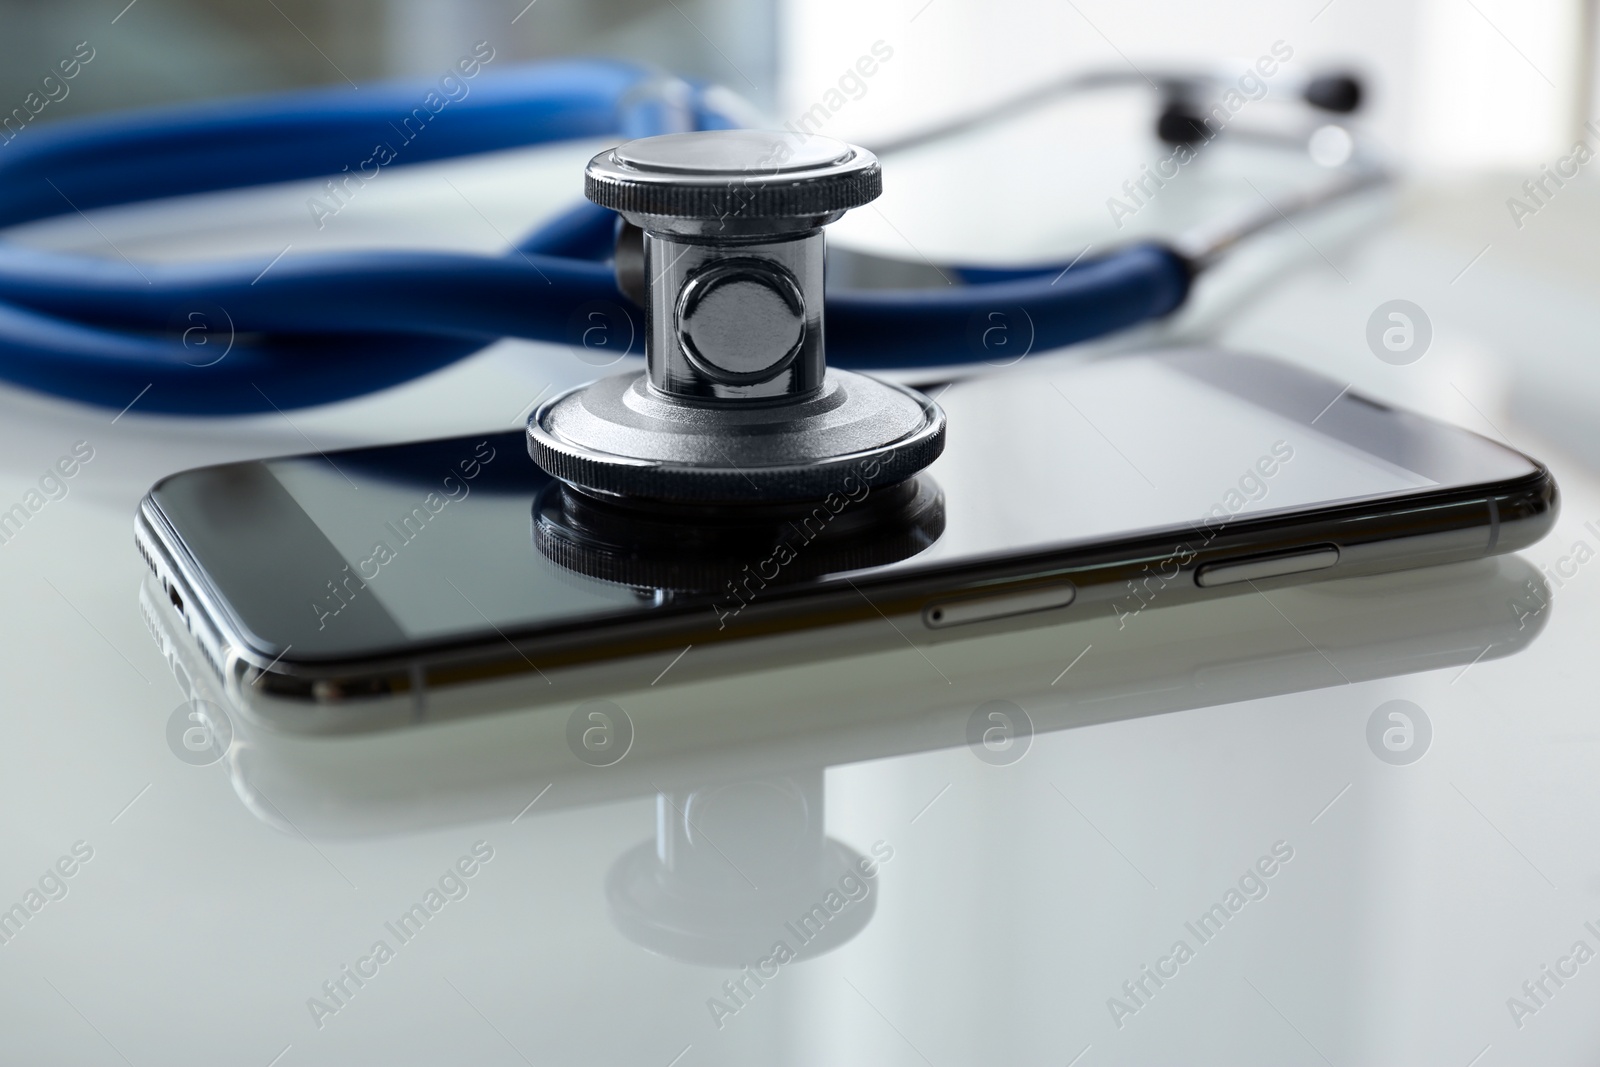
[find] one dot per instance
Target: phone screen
(427, 541)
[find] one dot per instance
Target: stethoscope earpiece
(1339, 93)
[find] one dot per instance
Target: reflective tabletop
(1342, 823)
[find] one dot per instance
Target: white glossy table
(1019, 898)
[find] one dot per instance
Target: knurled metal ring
(740, 173)
(616, 450)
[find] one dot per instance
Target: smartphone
(377, 587)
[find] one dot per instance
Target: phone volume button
(1255, 568)
(998, 606)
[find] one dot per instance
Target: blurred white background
(1474, 84)
(1456, 84)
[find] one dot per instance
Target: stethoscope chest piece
(736, 403)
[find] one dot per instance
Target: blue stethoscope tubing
(318, 328)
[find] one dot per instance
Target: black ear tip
(1339, 93)
(1180, 124)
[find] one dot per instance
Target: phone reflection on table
(740, 860)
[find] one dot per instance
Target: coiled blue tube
(320, 328)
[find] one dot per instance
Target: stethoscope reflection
(741, 872)
(731, 552)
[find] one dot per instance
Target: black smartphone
(382, 586)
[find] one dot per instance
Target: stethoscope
(319, 328)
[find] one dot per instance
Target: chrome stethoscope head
(736, 404)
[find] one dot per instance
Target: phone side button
(1249, 570)
(978, 608)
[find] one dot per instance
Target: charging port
(172, 595)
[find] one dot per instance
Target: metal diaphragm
(618, 437)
